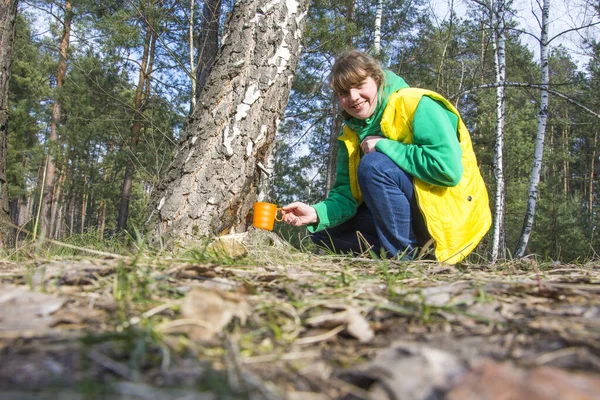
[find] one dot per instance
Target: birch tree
(378, 16)
(534, 181)
(541, 133)
(214, 177)
(498, 11)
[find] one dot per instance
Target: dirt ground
(297, 326)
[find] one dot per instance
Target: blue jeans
(389, 219)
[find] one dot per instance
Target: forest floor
(273, 323)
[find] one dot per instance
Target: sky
(564, 15)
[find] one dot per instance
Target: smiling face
(360, 100)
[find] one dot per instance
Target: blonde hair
(353, 67)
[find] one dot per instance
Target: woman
(406, 171)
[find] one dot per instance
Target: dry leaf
(493, 380)
(407, 371)
(24, 310)
(211, 310)
(356, 325)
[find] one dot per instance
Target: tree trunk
(84, 198)
(336, 128)
(214, 177)
(8, 13)
(139, 104)
(208, 43)
(541, 134)
(566, 162)
(591, 182)
(101, 219)
(48, 198)
(378, 15)
(499, 45)
(191, 48)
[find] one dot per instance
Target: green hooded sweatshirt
(437, 162)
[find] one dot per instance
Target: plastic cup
(265, 215)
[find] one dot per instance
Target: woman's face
(360, 101)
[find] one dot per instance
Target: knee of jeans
(369, 164)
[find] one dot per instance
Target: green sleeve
(339, 206)
(435, 155)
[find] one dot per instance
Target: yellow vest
(457, 217)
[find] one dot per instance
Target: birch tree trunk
(48, 201)
(541, 134)
(378, 15)
(8, 13)
(214, 177)
(498, 10)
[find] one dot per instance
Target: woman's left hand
(368, 144)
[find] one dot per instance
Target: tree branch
(532, 86)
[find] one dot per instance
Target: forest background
(105, 88)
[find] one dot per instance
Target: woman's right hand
(298, 214)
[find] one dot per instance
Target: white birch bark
(541, 135)
(499, 45)
(378, 15)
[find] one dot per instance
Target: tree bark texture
(215, 175)
(8, 12)
(208, 43)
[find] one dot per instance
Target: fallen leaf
(407, 371)
(24, 310)
(209, 311)
(493, 380)
(355, 324)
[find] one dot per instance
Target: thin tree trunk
(72, 217)
(378, 15)
(8, 13)
(84, 198)
(208, 42)
(336, 128)
(499, 45)
(59, 219)
(541, 134)
(566, 163)
(136, 129)
(101, 219)
(48, 199)
(591, 183)
(191, 48)
(56, 200)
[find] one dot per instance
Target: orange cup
(265, 215)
